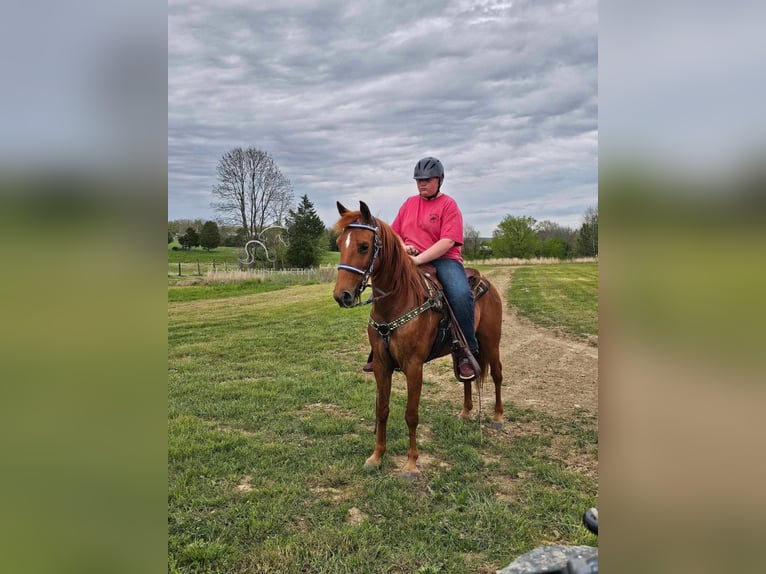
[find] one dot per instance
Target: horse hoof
(370, 466)
(409, 476)
(497, 425)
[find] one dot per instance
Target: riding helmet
(429, 167)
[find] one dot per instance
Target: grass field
(270, 421)
(559, 296)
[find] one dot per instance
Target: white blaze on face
(348, 239)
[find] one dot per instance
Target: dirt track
(544, 370)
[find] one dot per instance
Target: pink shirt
(422, 222)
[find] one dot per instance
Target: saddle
(479, 285)
(448, 326)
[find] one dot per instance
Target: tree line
(524, 237)
(255, 201)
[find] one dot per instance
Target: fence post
(179, 268)
(213, 265)
(198, 271)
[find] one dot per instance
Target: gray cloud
(347, 99)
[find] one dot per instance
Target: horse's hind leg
(465, 413)
(489, 352)
(496, 370)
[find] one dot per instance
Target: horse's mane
(404, 275)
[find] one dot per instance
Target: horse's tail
(483, 361)
(488, 332)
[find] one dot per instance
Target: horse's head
(359, 244)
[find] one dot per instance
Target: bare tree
(587, 236)
(252, 191)
(471, 242)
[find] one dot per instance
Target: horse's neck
(394, 280)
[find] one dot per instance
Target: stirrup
(457, 356)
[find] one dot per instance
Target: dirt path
(544, 370)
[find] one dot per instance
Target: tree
(471, 242)
(210, 236)
(556, 240)
(555, 247)
(189, 239)
(235, 238)
(332, 239)
(515, 237)
(587, 237)
(170, 237)
(305, 232)
(252, 191)
(177, 226)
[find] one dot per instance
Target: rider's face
(428, 188)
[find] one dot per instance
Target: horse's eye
(364, 248)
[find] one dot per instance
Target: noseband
(365, 273)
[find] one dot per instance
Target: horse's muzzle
(345, 299)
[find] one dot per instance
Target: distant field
(231, 254)
(563, 296)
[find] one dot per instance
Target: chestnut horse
(404, 321)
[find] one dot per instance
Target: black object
(590, 519)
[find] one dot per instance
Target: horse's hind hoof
(370, 466)
(409, 476)
(497, 425)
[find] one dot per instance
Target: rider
(431, 226)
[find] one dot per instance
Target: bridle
(365, 273)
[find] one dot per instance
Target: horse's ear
(365, 211)
(341, 209)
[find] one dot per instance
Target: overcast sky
(347, 96)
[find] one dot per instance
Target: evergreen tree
(189, 239)
(332, 239)
(170, 237)
(210, 236)
(305, 232)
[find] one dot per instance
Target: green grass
(221, 290)
(330, 258)
(562, 296)
(270, 421)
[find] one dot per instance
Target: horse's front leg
(383, 383)
(414, 386)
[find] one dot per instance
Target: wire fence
(232, 271)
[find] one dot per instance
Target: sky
(348, 96)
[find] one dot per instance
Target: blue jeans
(452, 276)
